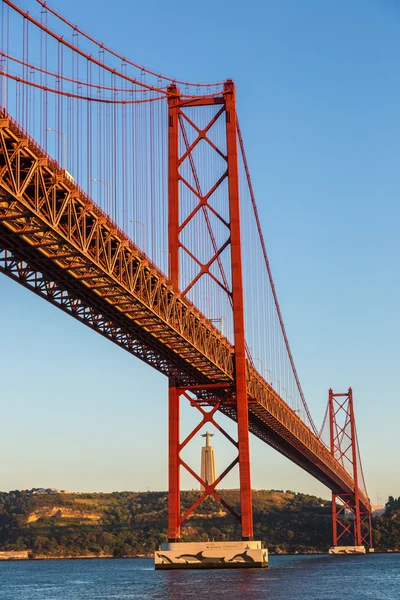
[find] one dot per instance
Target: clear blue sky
(318, 100)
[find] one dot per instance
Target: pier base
(211, 555)
(347, 550)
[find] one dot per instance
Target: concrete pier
(211, 555)
(15, 555)
(347, 550)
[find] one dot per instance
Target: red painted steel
(344, 448)
(207, 416)
(177, 118)
(173, 186)
(238, 315)
(115, 54)
(174, 505)
(173, 463)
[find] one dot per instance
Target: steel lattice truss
(344, 447)
(55, 241)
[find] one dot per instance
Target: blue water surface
(373, 577)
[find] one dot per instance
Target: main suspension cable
(119, 56)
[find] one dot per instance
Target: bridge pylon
(351, 520)
(187, 139)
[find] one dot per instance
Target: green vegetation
(387, 527)
(134, 524)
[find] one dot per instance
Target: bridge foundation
(347, 550)
(211, 555)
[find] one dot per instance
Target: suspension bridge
(126, 201)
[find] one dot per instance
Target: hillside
(135, 523)
(387, 527)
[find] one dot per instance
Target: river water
(373, 577)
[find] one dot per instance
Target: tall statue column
(208, 471)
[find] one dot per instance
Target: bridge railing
(263, 393)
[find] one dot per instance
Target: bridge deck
(55, 241)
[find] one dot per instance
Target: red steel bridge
(126, 201)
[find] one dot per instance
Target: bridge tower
(183, 151)
(185, 178)
(344, 448)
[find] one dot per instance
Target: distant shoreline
(111, 557)
(86, 526)
(9, 557)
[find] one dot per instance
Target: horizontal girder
(55, 241)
